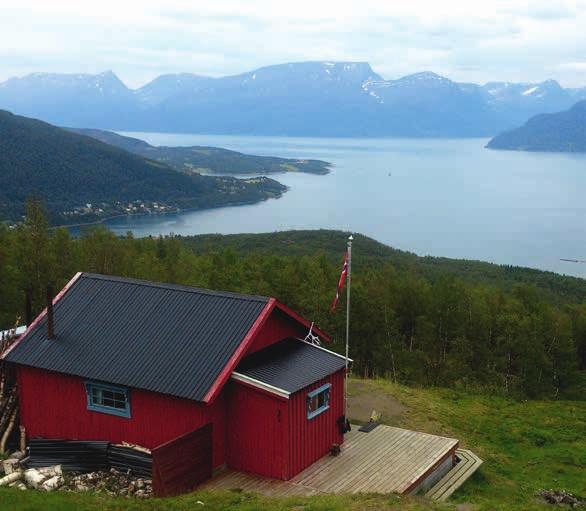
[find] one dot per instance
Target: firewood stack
(8, 393)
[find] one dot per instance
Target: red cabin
(203, 377)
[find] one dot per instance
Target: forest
(68, 170)
(417, 321)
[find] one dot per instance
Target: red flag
(341, 282)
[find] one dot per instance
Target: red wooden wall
(257, 436)
(183, 463)
(311, 439)
(272, 436)
(54, 405)
(252, 430)
(277, 327)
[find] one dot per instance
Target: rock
(112, 482)
(53, 483)
(556, 497)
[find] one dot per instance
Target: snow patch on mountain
(530, 91)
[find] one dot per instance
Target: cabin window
(108, 399)
(318, 401)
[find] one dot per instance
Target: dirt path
(364, 397)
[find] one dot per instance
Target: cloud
(467, 41)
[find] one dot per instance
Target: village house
(126, 360)
(220, 389)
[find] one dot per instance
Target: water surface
(449, 198)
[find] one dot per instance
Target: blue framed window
(105, 398)
(318, 401)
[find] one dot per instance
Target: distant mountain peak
(331, 70)
(425, 75)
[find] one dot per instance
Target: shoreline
(183, 210)
(328, 169)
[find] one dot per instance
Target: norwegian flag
(341, 282)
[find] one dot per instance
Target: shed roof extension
(289, 366)
(165, 338)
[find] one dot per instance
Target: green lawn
(525, 445)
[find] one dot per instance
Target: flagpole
(350, 239)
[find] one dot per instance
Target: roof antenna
(312, 339)
(50, 318)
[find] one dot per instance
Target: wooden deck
(383, 461)
(467, 465)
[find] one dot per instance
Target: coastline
(328, 168)
(182, 210)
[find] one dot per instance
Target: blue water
(449, 198)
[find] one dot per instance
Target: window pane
(104, 399)
(318, 402)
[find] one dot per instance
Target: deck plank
(385, 460)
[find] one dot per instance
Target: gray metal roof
(159, 337)
(291, 365)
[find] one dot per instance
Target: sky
(467, 41)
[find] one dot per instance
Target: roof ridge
(175, 287)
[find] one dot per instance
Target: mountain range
(559, 132)
(303, 99)
(81, 179)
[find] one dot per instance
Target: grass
(228, 500)
(525, 445)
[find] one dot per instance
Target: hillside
(203, 159)
(525, 445)
(517, 332)
(372, 253)
(81, 179)
(296, 99)
(559, 132)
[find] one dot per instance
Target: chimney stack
(28, 306)
(50, 318)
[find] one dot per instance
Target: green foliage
(68, 170)
(408, 323)
(552, 287)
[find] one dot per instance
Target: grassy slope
(367, 251)
(525, 445)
